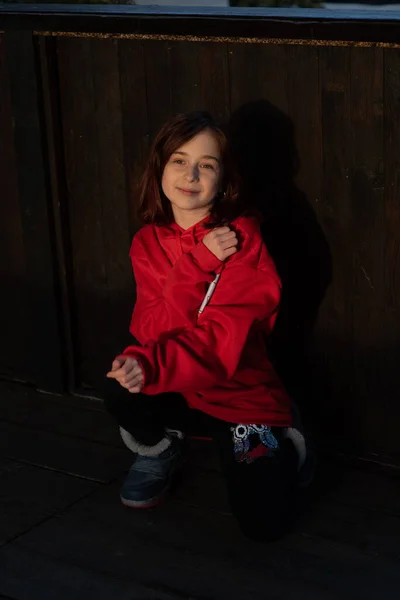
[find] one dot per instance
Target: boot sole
(144, 503)
(156, 500)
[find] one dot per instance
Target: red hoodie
(216, 359)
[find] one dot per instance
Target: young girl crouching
(208, 294)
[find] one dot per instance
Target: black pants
(261, 493)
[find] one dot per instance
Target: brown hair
(154, 206)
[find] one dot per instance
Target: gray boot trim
(142, 449)
(299, 443)
(296, 434)
(175, 432)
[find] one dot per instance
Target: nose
(192, 173)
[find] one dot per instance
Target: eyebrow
(205, 156)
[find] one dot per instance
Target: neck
(188, 218)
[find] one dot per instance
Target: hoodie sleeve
(209, 353)
(173, 305)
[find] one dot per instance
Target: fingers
(135, 390)
(222, 242)
(221, 230)
(124, 371)
(228, 241)
(133, 383)
(223, 237)
(133, 376)
(230, 251)
(117, 363)
(129, 375)
(221, 234)
(124, 368)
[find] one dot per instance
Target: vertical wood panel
(37, 296)
(215, 80)
(335, 78)
(90, 294)
(311, 259)
(368, 239)
(55, 163)
(97, 199)
(13, 312)
(390, 266)
(112, 191)
(304, 107)
(158, 84)
(185, 77)
(258, 72)
(134, 118)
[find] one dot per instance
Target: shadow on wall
(264, 149)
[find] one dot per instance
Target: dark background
(317, 131)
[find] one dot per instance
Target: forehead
(203, 144)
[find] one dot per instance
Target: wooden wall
(335, 221)
(31, 347)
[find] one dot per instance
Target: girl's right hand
(222, 242)
(128, 372)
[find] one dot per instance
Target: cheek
(166, 180)
(213, 183)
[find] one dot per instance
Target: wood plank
(86, 97)
(62, 415)
(52, 131)
(374, 327)
(336, 338)
(298, 241)
(215, 96)
(64, 454)
(391, 253)
(266, 80)
(42, 363)
(13, 314)
(185, 76)
(171, 547)
(31, 495)
(49, 579)
(132, 77)
(112, 195)
(157, 57)
(304, 107)
(356, 508)
(90, 290)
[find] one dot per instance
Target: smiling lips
(188, 192)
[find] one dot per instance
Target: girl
(207, 294)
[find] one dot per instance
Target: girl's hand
(222, 242)
(128, 372)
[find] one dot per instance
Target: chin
(189, 204)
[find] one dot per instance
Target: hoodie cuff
(205, 259)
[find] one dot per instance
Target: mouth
(188, 192)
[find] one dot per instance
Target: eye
(206, 166)
(178, 161)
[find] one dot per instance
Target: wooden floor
(65, 536)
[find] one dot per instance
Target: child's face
(192, 175)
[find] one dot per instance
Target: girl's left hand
(128, 372)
